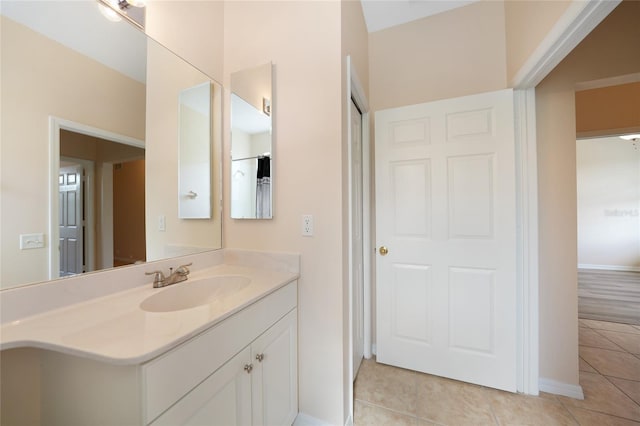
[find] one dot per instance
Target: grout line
(609, 340)
(568, 411)
(593, 411)
(404, 413)
(496, 420)
(620, 389)
(585, 361)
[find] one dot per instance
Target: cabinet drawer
(169, 377)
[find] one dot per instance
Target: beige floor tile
(592, 418)
(386, 386)
(450, 402)
(602, 396)
(612, 363)
(631, 388)
(513, 409)
(612, 326)
(627, 341)
(592, 338)
(550, 396)
(584, 366)
(371, 415)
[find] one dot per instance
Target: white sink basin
(189, 294)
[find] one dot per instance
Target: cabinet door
(274, 387)
(223, 399)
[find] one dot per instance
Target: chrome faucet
(180, 274)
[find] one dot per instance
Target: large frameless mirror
(252, 143)
(89, 141)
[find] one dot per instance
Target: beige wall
(194, 29)
(593, 59)
(31, 92)
(129, 212)
(608, 175)
(456, 53)
(527, 23)
(166, 77)
(20, 400)
(253, 85)
(612, 109)
(302, 39)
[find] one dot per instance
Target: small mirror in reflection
(251, 144)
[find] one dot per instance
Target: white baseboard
(609, 267)
(559, 388)
(349, 421)
(303, 419)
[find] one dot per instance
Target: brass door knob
(383, 251)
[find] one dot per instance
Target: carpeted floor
(609, 296)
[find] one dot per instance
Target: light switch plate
(31, 241)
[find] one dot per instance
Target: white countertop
(116, 330)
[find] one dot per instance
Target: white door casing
(357, 243)
(446, 211)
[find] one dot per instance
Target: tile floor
(609, 376)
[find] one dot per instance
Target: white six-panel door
(71, 241)
(446, 213)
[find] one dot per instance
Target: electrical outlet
(162, 223)
(307, 225)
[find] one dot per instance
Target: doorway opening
(608, 194)
(96, 199)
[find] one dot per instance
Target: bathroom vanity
(221, 349)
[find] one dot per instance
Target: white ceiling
(247, 118)
(118, 45)
(381, 14)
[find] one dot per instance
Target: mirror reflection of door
(113, 198)
(71, 219)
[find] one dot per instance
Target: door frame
(356, 92)
(57, 124)
(574, 25)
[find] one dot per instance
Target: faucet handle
(158, 276)
(183, 270)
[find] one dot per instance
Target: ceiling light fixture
(114, 10)
(109, 12)
(124, 4)
(634, 138)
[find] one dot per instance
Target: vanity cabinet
(240, 371)
(258, 386)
